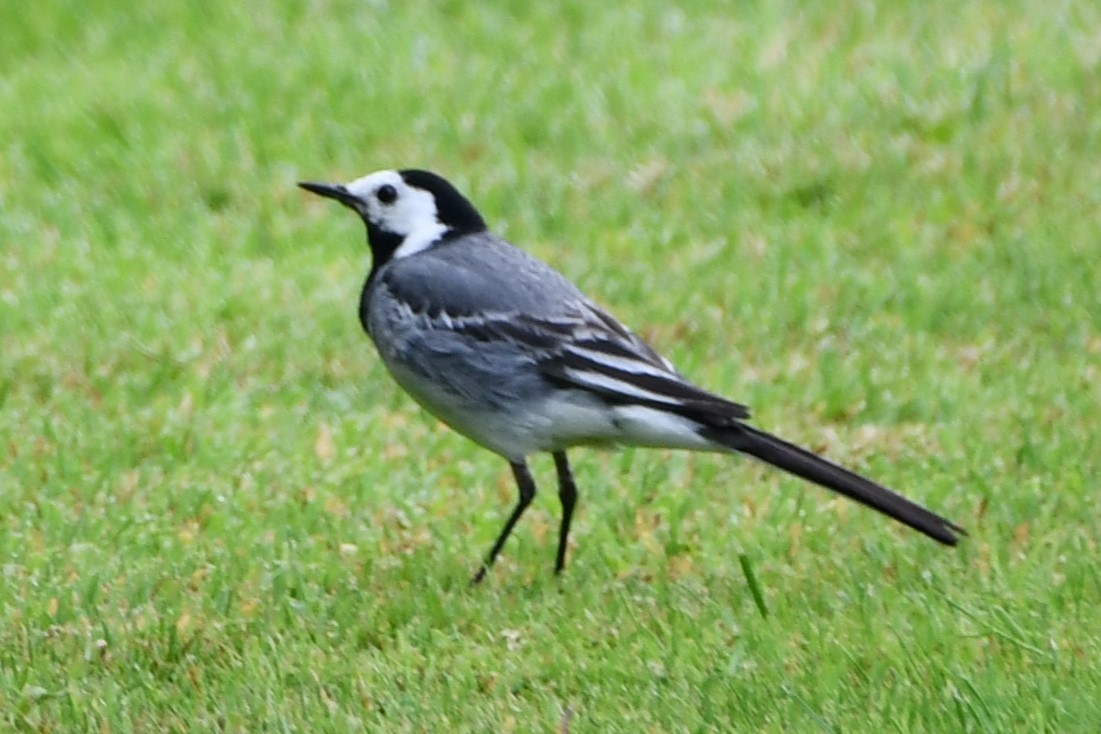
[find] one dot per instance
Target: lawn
(878, 224)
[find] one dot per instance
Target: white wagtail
(505, 350)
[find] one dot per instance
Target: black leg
(527, 494)
(567, 493)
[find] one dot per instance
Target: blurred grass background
(876, 224)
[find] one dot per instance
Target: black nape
(453, 209)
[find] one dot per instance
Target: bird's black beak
(331, 191)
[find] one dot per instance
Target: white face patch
(411, 214)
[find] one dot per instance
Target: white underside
(573, 419)
(577, 423)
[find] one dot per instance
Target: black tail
(814, 468)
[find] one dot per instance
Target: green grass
(876, 223)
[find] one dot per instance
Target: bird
(508, 352)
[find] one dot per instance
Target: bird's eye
(387, 194)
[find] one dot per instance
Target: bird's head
(405, 211)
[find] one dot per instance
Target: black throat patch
(383, 244)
